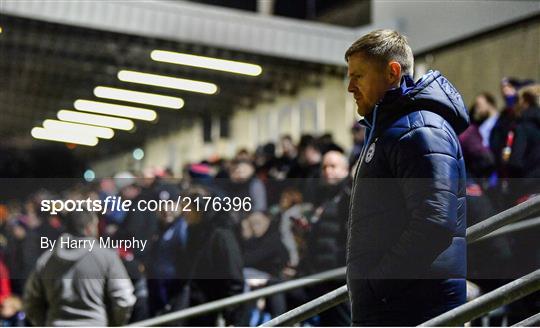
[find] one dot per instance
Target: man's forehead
(358, 62)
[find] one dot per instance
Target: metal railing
(484, 229)
(242, 298)
(511, 215)
(533, 321)
(310, 309)
(503, 295)
(511, 228)
(474, 233)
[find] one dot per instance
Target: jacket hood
(72, 254)
(432, 92)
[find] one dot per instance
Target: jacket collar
(389, 99)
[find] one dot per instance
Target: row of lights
(95, 119)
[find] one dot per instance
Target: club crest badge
(370, 153)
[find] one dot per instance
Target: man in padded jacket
(406, 248)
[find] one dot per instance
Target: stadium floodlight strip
(167, 82)
(62, 136)
(115, 110)
(76, 128)
(93, 119)
(230, 66)
(138, 97)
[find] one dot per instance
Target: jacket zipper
(358, 166)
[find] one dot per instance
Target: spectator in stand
(480, 164)
(26, 231)
(262, 246)
(524, 160)
(140, 225)
(485, 115)
(264, 256)
(502, 134)
(327, 233)
(109, 221)
(288, 158)
(11, 314)
(78, 287)
(244, 183)
(475, 139)
(289, 207)
(524, 170)
(308, 170)
(265, 160)
(167, 289)
(214, 262)
(309, 159)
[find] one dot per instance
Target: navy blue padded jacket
(406, 248)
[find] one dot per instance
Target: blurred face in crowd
(289, 198)
(192, 217)
(509, 93)
(312, 155)
(241, 172)
(10, 306)
(255, 225)
(167, 215)
(369, 80)
(130, 192)
(334, 167)
(92, 229)
(483, 109)
(528, 97)
(508, 90)
(287, 147)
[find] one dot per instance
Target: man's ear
(394, 72)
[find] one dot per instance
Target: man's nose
(351, 88)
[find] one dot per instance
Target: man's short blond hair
(384, 46)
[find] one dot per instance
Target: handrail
(473, 234)
(309, 309)
(511, 228)
(497, 221)
(533, 321)
(213, 306)
(503, 295)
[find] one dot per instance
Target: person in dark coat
(261, 244)
(327, 234)
(475, 139)
(524, 161)
(524, 168)
(213, 264)
(167, 257)
(406, 249)
(502, 138)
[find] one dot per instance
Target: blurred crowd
(297, 224)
